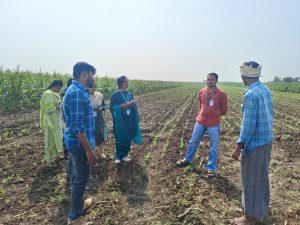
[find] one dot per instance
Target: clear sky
(180, 40)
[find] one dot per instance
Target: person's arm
(129, 104)
(49, 103)
(247, 127)
(224, 104)
(237, 151)
(103, 106)
(88, 151)
(113, 102)
(77, 110)
(132, 102)
(98, 102)
(125, 105)
(199, 99)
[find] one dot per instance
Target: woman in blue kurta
(125, 120)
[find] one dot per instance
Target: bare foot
(102, 156)
(244, 220)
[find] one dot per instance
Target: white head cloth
(248, 71)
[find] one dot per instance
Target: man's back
(258, 109)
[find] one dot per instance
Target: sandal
(211, 174)
(182, 163)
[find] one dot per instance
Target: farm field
(22, 90)
(150, 190)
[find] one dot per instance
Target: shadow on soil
(133, 181)
(224, 185)
(99, 174)
(44, 187)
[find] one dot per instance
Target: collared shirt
(257, 123)
(78, 115)
(213, 104)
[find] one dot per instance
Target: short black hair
(69, 83)
(120, 80)
(213, 74)
(251, 64)
(56, 83)
(80, 67)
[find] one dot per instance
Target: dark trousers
(79, 172)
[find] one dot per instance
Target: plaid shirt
(257, 123)
(78, 115)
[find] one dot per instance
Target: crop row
(286, 116)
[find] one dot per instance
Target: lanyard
(210, 97)
(126, 100)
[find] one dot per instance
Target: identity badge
(211, 102)
(128, 112)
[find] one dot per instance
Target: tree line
(286, 79)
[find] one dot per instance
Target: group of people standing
(85, 128)
(80, 111)
(254, 142)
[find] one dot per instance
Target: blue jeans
(198, 133)
(69, 169)
(80, 173)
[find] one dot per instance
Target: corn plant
(21, 91)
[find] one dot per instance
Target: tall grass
(284, 87)
(21, 91)
(273, 86)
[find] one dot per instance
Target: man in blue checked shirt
(79, 137)
(255, 143)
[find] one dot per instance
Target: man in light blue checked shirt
(255, 143)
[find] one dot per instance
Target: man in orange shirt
(213, 104)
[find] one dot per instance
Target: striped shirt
(78, 115)
(257, 122)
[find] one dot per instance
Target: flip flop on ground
(211, 174)
(182, 163)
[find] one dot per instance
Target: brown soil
(149, 189)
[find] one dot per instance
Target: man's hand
(237, 151)
(91, 157)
